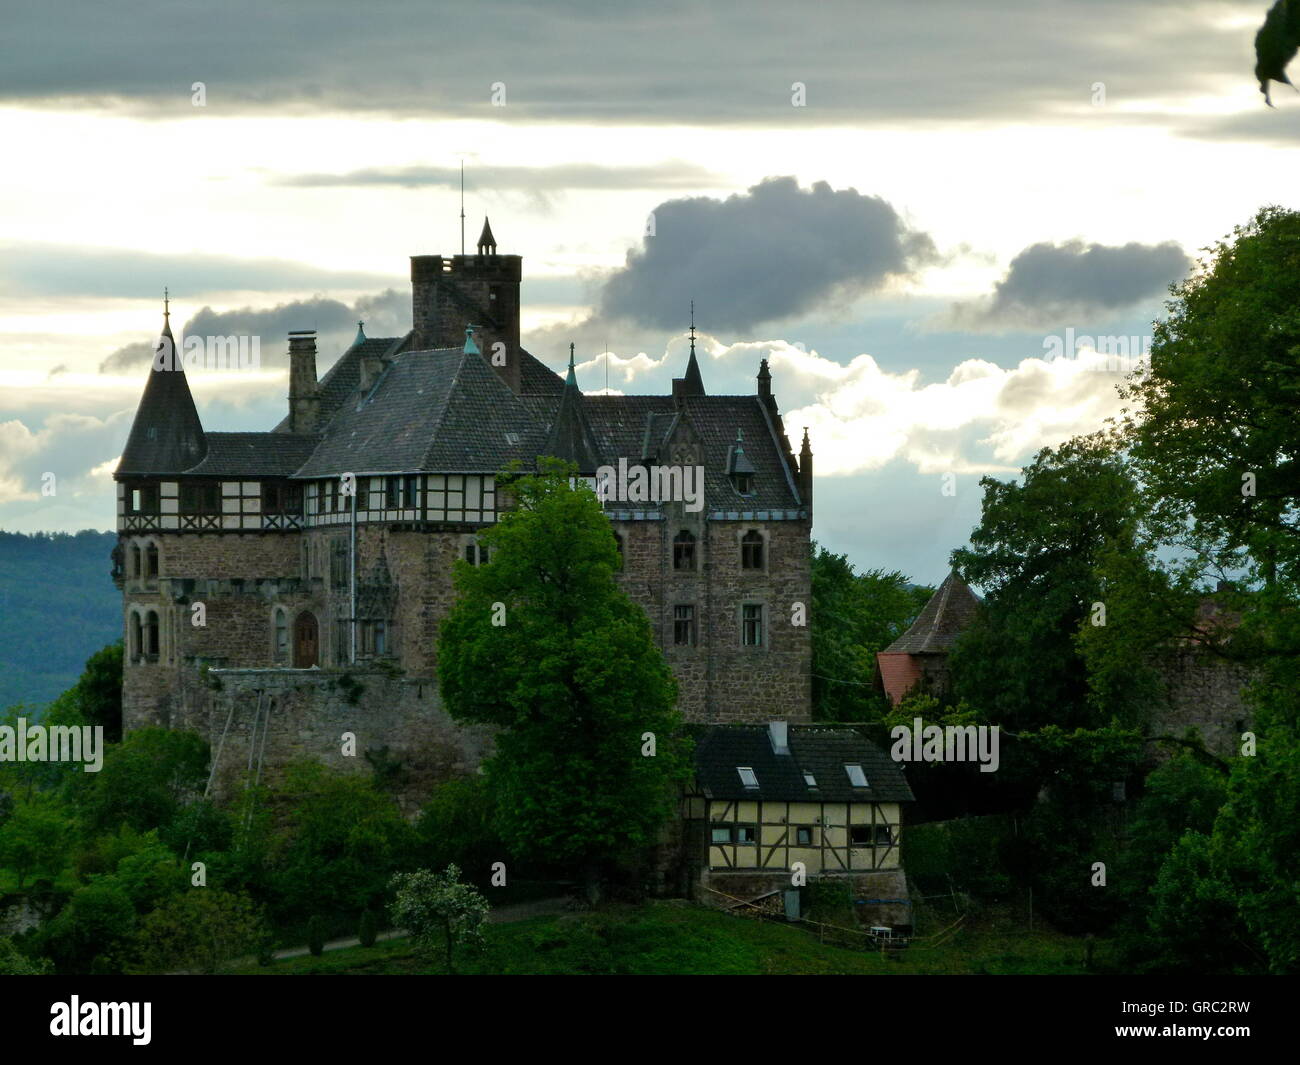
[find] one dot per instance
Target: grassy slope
(677, 938)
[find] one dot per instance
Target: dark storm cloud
(386, 314)
(728, 63)
(771, 252)
(1047, 282)
(511, 178)
(60, 270)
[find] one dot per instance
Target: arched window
(475, 553)
(151, 561)
(306, 641)
(136, 634)
(618, 544)
(151, 634)
(281, 635)
(683, 550)
(751, 550)
(137, 563)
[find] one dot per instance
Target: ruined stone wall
(1203, 692)
(306, 714)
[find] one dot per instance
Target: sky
(927, 217)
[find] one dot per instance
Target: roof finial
(570, 354)
(167, 309)
(361, 333)
(692, 327)
(470, 347)
(572, 379)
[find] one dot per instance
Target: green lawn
(679, 938)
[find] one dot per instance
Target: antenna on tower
(462, 207)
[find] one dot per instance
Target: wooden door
(306, 641)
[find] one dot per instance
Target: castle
(284, 588)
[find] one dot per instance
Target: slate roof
(255, 454)
(166, 435)
(941, 620)
(442, 410)
(816, 749)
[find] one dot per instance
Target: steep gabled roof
(166, 436)
(940, 622)
(819, 750)
(443, 410)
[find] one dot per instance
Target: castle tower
(166, 436)
(482, 290)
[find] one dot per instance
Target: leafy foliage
(854, 615)
(442, 913)
(543, 644)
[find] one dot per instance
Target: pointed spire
(166, 435)
(570, 437)
(361, 333)
(692, 381)
(470, 347)
(487, 243)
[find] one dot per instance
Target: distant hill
(58, 606)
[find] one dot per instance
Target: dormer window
(747, 776)
(739, 468)
(856, 776)
(810, 780)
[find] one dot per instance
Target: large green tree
(1035, 553)
(543, 644)
(854, 615)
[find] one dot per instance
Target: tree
(440, 912)
(95, 923)
(341, 841)
(199, 930)
(145, 779)
(854, 615)
(14, 963)
(1036, 552)
(543, 644)
(36, 838)
(1212, 427)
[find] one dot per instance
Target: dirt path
(519, 911)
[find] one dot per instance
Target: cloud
(587, 60)
(981, 418)
(675, 174)
(71, 447)
(1048, 283)
(31, 269)
(387, 313)
(771, 252)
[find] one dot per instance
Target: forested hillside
(57, 607)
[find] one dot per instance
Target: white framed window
(856, 776)
(747, 776)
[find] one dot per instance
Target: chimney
(765, 384)
(779, 733)
(304, 400)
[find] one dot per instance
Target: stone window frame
(763, 620)
(692, 625)
(280, 625)
(685, 539)
(468, 544)
(744, 540)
